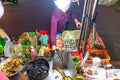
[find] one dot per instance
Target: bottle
(33, 53)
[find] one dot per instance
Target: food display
(35, 47)
(11, 66)
(92, 72)
(26, 52)
(96, 74)
(44, 52)
(102, 54)
(69, 44)
(28, 38)
(96, 44)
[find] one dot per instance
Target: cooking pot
(38, 69)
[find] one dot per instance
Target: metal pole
(87, 23)
(83, 22)
(90, 24)
(87, 27)
(94, 19)
(94, 31)
(86, 17)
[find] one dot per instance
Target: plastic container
(69, 44)
(46, 32)
(103, 54)
(77, 34)
(68, 34)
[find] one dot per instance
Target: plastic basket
(97, 38)
(100, 53)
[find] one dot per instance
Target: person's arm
(53, 30)
(78, 24)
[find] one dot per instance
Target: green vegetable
(76, 61)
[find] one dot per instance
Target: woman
(60, 19)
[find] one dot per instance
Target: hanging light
(1, 10)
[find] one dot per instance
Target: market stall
(80, 54)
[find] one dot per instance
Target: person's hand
(54, 47)
(78, 24)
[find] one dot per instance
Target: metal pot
(38, 69)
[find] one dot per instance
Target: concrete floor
(32, 15)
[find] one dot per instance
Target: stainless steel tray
(69, 70)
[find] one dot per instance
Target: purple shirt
(58, 22)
